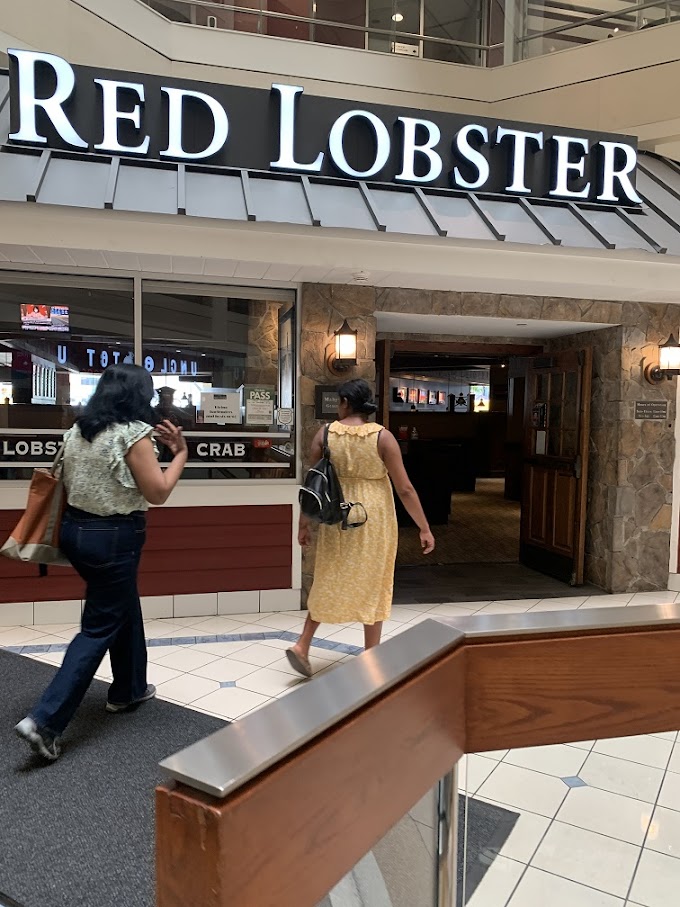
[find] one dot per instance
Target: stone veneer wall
(262, 365)
(631, 463)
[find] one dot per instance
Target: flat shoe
(299, 663)
(149, 693)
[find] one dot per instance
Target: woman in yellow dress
(354, 572)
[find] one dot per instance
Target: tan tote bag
(35, 538)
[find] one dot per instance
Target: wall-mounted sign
(221, 408)
(259, 404)
(651, 409)
(326, 399)
(29, 450)
(539, 416)
(56, 105)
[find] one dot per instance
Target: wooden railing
(287, 831)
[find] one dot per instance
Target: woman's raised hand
(171, 436)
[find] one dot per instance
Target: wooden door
(554, 488)
(383, 360)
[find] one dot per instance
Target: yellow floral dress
(354, 571)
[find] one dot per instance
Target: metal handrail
(407, 710)
(591, 20)
(310, 20)
(229, 759)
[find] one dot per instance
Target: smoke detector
(361, 276)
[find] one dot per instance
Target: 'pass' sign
(57, 105)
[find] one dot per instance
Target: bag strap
(347, 508)
(326, 448)
(58, 464)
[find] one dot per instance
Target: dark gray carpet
(433, 584)
(80, 832)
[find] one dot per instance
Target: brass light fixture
(342, 352)
(669, 362)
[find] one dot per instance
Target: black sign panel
(651, 409)
(285, 129)
(327, 401)
(30, 450)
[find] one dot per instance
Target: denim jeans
(105, 551)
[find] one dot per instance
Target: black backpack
(321, 498)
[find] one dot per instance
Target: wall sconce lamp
(342, 352)
(669, 362)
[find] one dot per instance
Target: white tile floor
(613, 841)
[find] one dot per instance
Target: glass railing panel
(481, 33)
(592, 823)
(402, 869)
(452, 53)
(215, 15)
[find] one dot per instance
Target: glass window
(223, 364)
(452, 21)
(396, 16)
(56, 337)
(344, 12)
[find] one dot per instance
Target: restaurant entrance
(494, 438)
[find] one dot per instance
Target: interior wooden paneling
(564, 503)
(188, 549)
(537, 516)
(541, 691)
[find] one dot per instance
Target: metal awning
(93, 181)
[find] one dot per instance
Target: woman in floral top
(111, 475)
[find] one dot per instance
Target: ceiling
(474, 326)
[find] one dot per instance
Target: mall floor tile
(598, 821)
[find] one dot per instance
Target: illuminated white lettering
(53, 106)
(518, 154)
(220, 120)
(104, 359)
(90, 358)
(336, 143)
(565, 167)
(463, 147)
(112, 115)
(427, 150)
(288, 95)
(202, 449)
(610, 174)
(149, 363)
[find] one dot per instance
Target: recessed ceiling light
(398, 17)
(521, 324)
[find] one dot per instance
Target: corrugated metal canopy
(122, 184)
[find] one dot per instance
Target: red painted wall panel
(188, 549)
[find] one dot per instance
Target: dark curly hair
(123, 394)
(358, 396)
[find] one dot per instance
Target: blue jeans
(105, 551)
